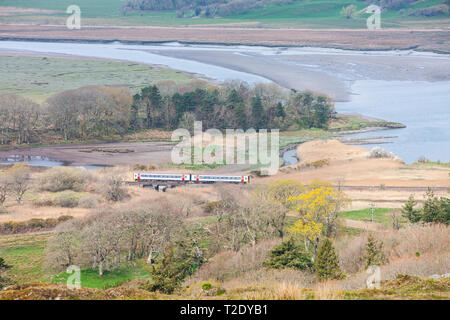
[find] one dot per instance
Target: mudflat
(104, 154)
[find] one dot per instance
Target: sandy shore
(348, 166)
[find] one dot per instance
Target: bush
(139, 167)
(378, 153)
(13, 227)
(289, 255)
(3, 267)
(62, 178)
(349, 12)
(206, 286)
(89, 202)
(45, 200)
(441, 9)
(66, 199)
(112, 188)
(179, 262)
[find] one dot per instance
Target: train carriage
(164, 177)
(209, 178)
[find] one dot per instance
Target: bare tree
(19, 177)
(4, 188)
(64, 247)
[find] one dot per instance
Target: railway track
(164, 186)
(382, 188)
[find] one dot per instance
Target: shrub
(178, 263)
(3, 267)
(231, 264)
(13, 227)
(112, 188)
(327, 262)
(440, 9)
(89, 202)
(66, 199)
(139, 167)
(289, 255)
(206, 286)
(318, 164)
(349, 12)
(377, 153)
(63, 178)
(43, 201)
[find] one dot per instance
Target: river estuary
(409, 87)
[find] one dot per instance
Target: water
(424, 107)
(40, 161)
(290, 157)
(32, 161)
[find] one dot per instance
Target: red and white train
(189, 178)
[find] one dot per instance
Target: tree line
(199, 8)
(96, 112)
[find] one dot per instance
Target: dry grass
(342, 38)
(230, 265)
(418, 250)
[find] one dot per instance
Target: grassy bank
(39, 77)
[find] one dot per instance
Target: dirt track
(427, 40)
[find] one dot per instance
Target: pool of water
(40, 161)
(290, 157)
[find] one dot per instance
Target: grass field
(314, 14)
(90, 278)
(380, 215)
(38, 78)
(25, 254)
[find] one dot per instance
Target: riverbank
(433, 40)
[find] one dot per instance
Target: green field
(380, 215)
(25, 254)
(90, 278)
(315, 14)
(38, 78)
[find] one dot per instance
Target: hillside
(264, 13)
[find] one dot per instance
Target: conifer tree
(410, 212)
(3, 268)
(327, 262)
(374, 252)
